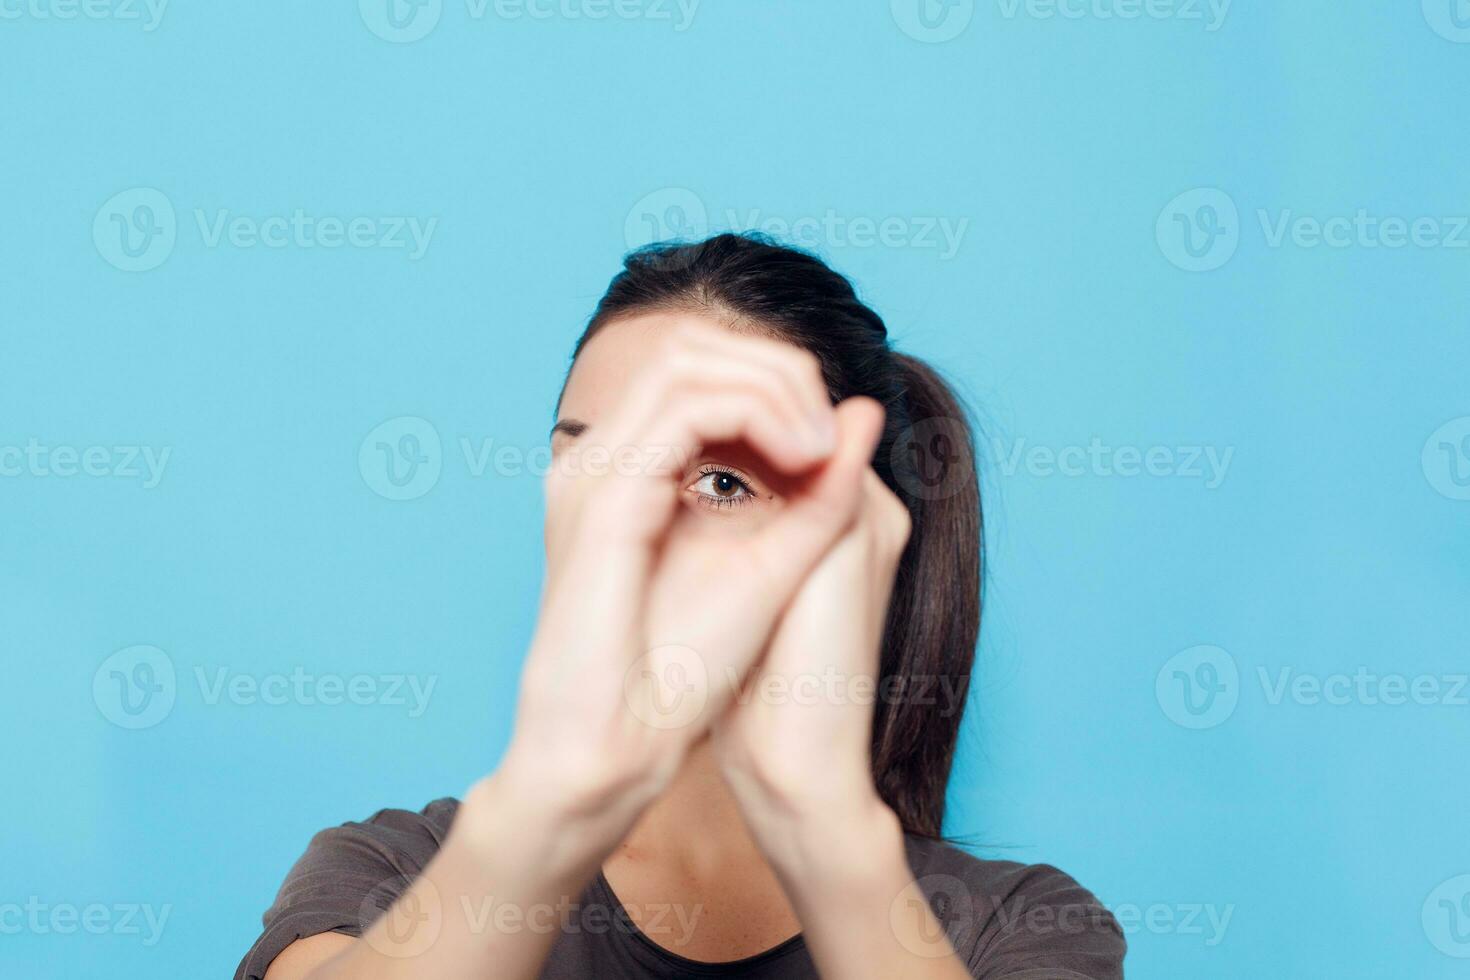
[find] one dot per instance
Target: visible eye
(719, 486)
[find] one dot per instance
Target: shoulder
(391, 840)
(347, 876)
(409, 830)
(1005, 918)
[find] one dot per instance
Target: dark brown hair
(926, 456)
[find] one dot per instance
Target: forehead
(612, 359)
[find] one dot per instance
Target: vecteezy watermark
(412, 917)
(401, 458)
(667, 214)
(943, 694)
(148, 13)
(1446, 459)
(1209, 13)
(1200, 230)
(938, 913)
(137, 687)
(679, 214)
(935, 233)
(1208, 464)
(1363, 687)
(38, 917)
(932, 459)
(1450, 19)
(126, 462)
(1198, 687)
(401, 21)
(136, 230)
(667, 687)
(403, 917)
(933, 916)
(1204, 919)
(932, 21)
(406, 21)
(1446, 917)
(674, 920)
(1201, 686)
(1363, 229)
(301, 688)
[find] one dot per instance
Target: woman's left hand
(795, 749)
(795, 745)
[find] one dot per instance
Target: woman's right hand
(644, 604)
(642, 631)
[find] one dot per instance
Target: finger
(888, 521)
(637, 498)
(796, 444)
(736, 367)
(798, 369)
(884, 527)
(649, 416)
(778, 557)
(713, 414)
(687, 407)
(787, 548)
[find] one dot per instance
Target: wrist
(833, 847)
(523, 832)
(561, 818)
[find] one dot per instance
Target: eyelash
(747, 494)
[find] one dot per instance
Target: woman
(763, 558)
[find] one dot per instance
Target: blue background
(1338, 538)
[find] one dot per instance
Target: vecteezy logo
(1450, 19)
(1446, 459)
(412, 918)
(401, 21)
(670, 213)
(932, 21)
(667, 687)
(1198, 687)
(1446, 917)
(1199, 230)
(931, 458)
(933, 916)
(401, 458)
(135, 687)
(135, 230)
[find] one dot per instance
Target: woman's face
(723, 489)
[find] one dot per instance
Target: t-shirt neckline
(697, 967)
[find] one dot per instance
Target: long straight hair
(925, 456)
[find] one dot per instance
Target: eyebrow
(572, 427)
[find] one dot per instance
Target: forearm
(862, 913)
(487, 905)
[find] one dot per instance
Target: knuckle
(672, 349)
(808, 366)
(681, 364)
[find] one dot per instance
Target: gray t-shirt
(1005, 920)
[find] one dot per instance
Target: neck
(692, 851)
(694, 826)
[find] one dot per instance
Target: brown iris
(725, 485)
